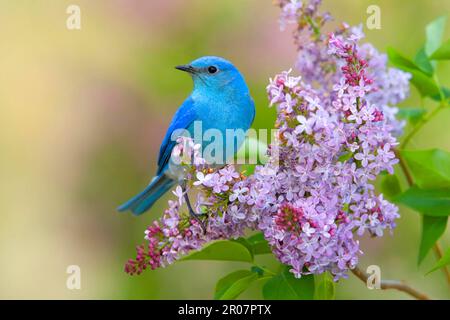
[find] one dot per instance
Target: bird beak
(186, 68)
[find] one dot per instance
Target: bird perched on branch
(220, 101)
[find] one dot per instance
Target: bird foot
(193, 214)
(197, 218)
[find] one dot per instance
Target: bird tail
(144, 200)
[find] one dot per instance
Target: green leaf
(445, 91)
(390, 186)
(245, 243)
(400, 61)
(429, 168)
(233, 284)
(324, 287)
(424, 83)
(259, 244)
(443, 53)
(444, 261)
(421, 60)
(434, 32)
(433, 202)
(222, 250)
(432, 230)
(412, 115)
(284, 286)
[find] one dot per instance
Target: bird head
(212, 73)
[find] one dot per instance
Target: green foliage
(424, 83)
(429, 168)
(390, 186)
(422, 68)
(233, 284)
(259, 244)
(433, 202)
(412, 115)
(222, 250)
(443, 53)
(324, 287)
(432, 230)
(400, 61)
(421, 79)
(421, 60)
(434, 32)
(284, 286)
(443, 262)
(445, 92)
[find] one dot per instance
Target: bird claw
(197, 218)
(192, 213)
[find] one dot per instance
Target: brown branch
(392, 284)
(404, 167)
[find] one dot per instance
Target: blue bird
(220, 100)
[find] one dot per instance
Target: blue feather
(161, 183)
(182, 119)
(144, 200)
(220, 100)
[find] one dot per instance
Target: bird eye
(212, 69)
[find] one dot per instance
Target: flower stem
(404, 168)
(392, 284)
(421, 123)
(438, 84)
(267, 271)
(316, 30)
(429, 116)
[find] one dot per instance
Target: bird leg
(192, 213)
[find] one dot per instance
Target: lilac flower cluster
(335, 139)
(330, 150)
(314, 197)
(222, 194)
(317, 67)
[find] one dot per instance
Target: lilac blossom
(347, 143)
(315, 195)
(177, 233)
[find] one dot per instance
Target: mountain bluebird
(219, 101)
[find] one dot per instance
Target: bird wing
(182, 119)
(254, 111)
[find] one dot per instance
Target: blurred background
(82, 114)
